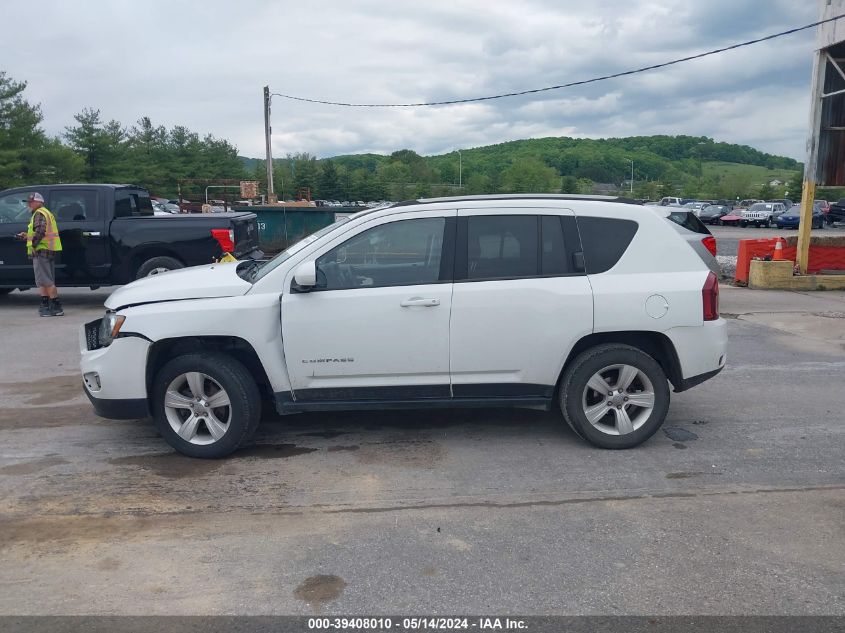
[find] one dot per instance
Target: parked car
(667, 200)
(761, 214)
(792, 218)
(836, 212)
(111, 235)
(695, 207)
(520, 301)
(713, 213)
(159, 208)
(734, 218)
(786, 202)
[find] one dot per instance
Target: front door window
(403, 253)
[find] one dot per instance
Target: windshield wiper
(247, 269)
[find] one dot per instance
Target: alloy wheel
(618, 399)
(197, 408)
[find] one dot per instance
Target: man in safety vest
(42, 244)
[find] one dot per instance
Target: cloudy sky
(203, 65)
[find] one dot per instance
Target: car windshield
(760, 206)
(253, 271)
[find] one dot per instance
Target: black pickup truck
(111, 235)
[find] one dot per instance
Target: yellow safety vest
(51, 241)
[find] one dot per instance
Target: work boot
(44, 308)
(56, 308)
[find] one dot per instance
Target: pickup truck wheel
(157, 265)
(205, 404)
(614, 396)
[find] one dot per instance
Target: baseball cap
(35, 196)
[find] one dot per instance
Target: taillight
(710, 244)
(710, 297)
(226, 239)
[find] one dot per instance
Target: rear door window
(128, 203)
(502, 246)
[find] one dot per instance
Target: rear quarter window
(604, 241)
(688, 220)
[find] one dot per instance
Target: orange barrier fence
(821, 257)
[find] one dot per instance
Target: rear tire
(199, 428)
(157, 265)
(615, 421)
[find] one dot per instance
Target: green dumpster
(279, 227)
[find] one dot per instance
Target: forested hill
(601, 160)
(663, 165)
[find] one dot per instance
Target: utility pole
(271, 194)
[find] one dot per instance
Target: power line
(567, 85)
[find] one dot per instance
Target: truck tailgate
(245, 227)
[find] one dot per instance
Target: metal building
(825, 164)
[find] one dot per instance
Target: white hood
(197, 282)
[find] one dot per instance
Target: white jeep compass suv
(591, 304)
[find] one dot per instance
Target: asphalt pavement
(727, 237)
(735, 507)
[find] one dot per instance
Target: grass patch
(756, 174)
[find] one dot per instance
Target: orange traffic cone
(778, 256)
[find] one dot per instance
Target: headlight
(109, 328)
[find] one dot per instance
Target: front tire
(158, 265)
(205, 404)
(614, 396)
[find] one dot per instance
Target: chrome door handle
(91, 233)
(419, 301)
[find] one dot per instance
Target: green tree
(765, 192)
(569, 184)
(146, 148)
(478, 184)
(19, 131)
(795, 186)
(100, 145)
(328, 184)
(529, 176)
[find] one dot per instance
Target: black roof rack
(518, 196)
